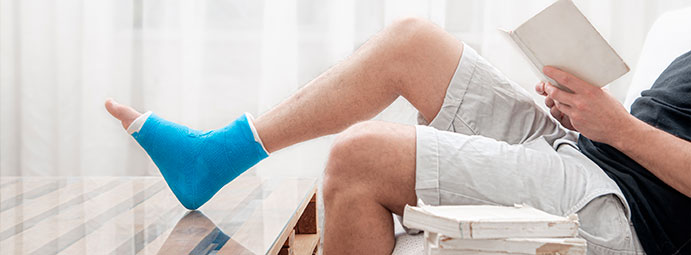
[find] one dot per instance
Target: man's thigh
(480, 100)
(454, 168)
(458, 169)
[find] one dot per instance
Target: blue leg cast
(196, 164)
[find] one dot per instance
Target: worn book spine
(535, 246)
(496, 229)
(443, 251)
(440, 244)
(491, 229)
(488, 222)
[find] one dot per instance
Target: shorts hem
(455, 92)
(427, 165)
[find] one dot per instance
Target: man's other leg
(369, 175)
(412, 58)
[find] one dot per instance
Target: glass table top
(140, 215)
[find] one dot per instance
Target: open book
(562, 37)
(487, 221)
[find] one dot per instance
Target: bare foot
(122, 112)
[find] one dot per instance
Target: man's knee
(412, 42)
(352, 157)
(410, 27)
(412, 34)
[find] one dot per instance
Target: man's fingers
(562, 107)
(540, 89)
(561, 117)
(554, 111)
(566, 79)
(549, 102)
(566, 122)
(558, 95)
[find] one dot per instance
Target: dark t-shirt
(660, 214)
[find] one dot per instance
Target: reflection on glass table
(139, 215)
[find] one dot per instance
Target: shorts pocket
(604, 225)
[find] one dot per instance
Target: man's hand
(553, 110)
(600, 117)
(589, 109)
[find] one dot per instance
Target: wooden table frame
(301, 235)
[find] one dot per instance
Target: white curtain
(203, 63)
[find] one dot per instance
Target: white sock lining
(250, 120)
(138, 123)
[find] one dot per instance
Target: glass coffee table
(140, 215)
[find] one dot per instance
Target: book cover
(561, 36)
(488, 222)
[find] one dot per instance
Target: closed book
(488, 221)
(536, 246)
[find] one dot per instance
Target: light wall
(203, 63)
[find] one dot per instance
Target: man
(485, 142)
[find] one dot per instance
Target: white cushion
(409, 244)
(667, 39)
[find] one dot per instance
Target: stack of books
(488, 229)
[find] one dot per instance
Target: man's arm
(666, 156)
(600, 117)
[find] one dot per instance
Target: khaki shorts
(492, 144)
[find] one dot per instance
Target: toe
(122, 112)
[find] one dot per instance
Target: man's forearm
(666, 156)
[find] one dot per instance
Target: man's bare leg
(369, 175)
(412, 58)
(371, 169)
